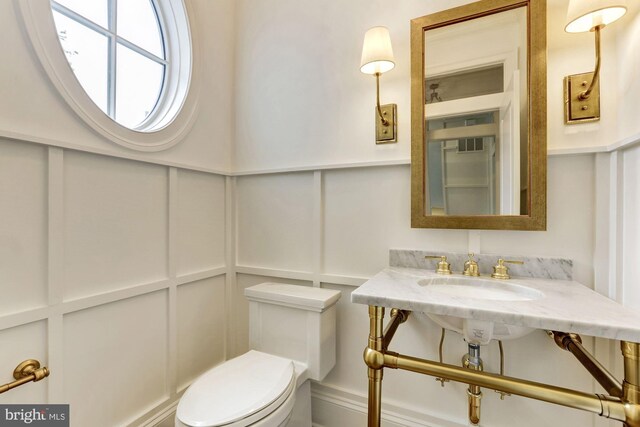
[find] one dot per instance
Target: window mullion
(141, 51)
(111, 77)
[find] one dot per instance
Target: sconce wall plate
(578, 110)
(389, 133)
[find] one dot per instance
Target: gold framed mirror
(478, 117)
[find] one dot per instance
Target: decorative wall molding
(623, 144)
(138, 157)
(55, 308)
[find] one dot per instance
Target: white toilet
(292, 336)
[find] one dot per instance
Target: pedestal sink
(475, 288)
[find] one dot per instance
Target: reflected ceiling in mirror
(478, 146)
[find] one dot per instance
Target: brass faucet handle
(443, 266)
(471, 267)
(501, 271)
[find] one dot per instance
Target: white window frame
(176, 108)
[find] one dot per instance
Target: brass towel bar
(27, 371)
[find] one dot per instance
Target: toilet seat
(240, 392)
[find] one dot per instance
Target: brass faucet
(471, 267)
(443, 266)
(501, 271)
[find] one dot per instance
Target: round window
(128, 65)
(116, 51)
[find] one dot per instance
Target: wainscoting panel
(200, 221)
(274, 221)
(115, 360)
(28, 341)
(106, 262)
(115, 212)
(23, 228)
(366, 212)
(201, 325)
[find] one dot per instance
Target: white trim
(55, 269)
(272, 272)
(332, 279)
(336, 279)
(460, 107)
(165, 133)
(19, 137)
(156, 419)
(311, 168)
(616, 226)
(230, 238)
(317, 227)
(158, 414)
(173, 256)
(623, 144)
(576, 151)
(55, 228)
(201, 275)
(41, 313)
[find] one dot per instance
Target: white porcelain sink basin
(476, 288)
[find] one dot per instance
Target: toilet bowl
(292, 332)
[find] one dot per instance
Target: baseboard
(334, 406)
(162, 418)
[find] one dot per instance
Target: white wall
(627, 67)
(310, 111)
(107, 261)
(114, 271)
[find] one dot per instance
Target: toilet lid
(236, 389)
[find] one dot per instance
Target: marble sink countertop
(566, 306)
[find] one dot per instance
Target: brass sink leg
(573, 344)
(374, 358)
(631, 383)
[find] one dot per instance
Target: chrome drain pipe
(472, 361)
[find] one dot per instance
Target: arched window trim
(176, 110)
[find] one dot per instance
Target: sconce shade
(584, 15)
(377, 54)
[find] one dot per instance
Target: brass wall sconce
(377, 58)
(582, 91)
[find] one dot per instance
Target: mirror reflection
(476, 116)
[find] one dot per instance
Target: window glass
(139, 82)
(138, 23)
(94, 10)
(86, 51)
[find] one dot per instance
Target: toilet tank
(296, 322)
